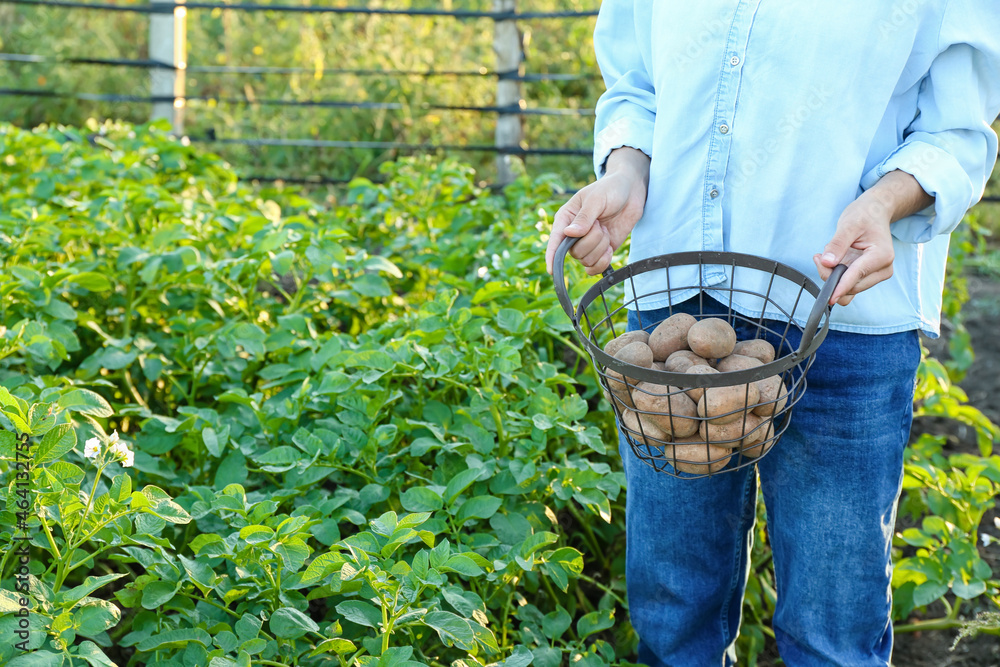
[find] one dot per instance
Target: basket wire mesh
(761, 299)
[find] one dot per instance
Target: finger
(595, 238)
(562, 218)
(824, 272)
(844, 300)
(839, 245)
(603, 264)
(599, 251)
(871, 268)
(591, 208)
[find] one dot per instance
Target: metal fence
(168, 68)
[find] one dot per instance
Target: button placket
(725, 109)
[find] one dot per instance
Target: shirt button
(734, 61)
(713, 194)
(724, 128)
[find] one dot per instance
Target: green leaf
(158, 593)
(463, 564)
(95, 618)
(6, 400)
(211, 440)
(377, 263)
(175, 639)
(360, 612)
(89, 585)
(89, 280)
(479, 507)
(85, 402)
(41, 418)
(521, 657)
(451, 628)
(510, 320)
(421, 499)
(547, 656)
(460, 483)
(290, 623)
(37, 659)
(55, 444)
(556, 623)
(94, 656)
(595, 621)
(163, 506)
(256, 534)
(928, 592)
(970, 590)
(248, 627)
(199, 572)
(338, 646)
(121, 488)
(17, 420)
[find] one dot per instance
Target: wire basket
(653, 407)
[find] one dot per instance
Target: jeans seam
(741, 540)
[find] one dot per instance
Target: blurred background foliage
(320, 44)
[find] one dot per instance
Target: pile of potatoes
(701, 427)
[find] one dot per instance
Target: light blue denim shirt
(765, 119)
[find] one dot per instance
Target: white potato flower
(92, 448)
(120, 448)
(129, 459)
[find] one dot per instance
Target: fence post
(168, 45)
(509, 50)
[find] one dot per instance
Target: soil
(981, 316)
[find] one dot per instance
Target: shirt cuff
(632, 132)
(941, 176)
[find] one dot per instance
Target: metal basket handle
(808, 333)
(558, 275)
(819, 307)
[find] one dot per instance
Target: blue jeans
(830, 486)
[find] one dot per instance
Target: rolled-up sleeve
(627, 109)
(950, 147)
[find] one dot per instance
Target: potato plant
(359, 432)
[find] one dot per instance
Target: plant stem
(606, 589)
(501, 436)
(132, 389)
(935, 624)
(129, 298)
(548, 587)
(588, 533)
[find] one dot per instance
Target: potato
(688, 354)
(711, 338)
(734, 434)
(755, 429)
(766, 431)
(616, 344)
(693, 456)
(757, 348)
(674, 413)
(696, 392)
(636, 353)
(676, 364)
(648, 434)
(770, 401)
(722, 405)
(736, 362)
(670, 335)
(659, 365)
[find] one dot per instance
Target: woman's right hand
(604, 212)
